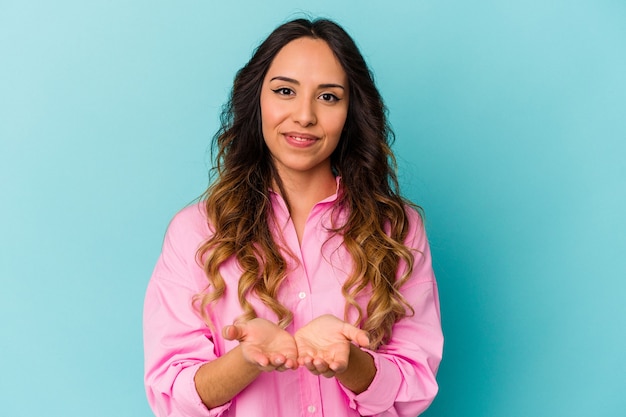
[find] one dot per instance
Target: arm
(263, 347)
(190, 370)
(405, 383)
(176, 345)
(218, 381)
(406, 366)
(185, 375)
(396, 380)
(360, 371)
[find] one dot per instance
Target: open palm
(324, 344)
(264, 343)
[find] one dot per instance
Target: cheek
(270, 123)
(272, 113)
(338, 123)
(267, 115)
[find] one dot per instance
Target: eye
(283, 91)
(329, 97)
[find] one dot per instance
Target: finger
(291, 363)
(307, 362)
(232, 332)
(329, 374)
(278, 360)
(314, 372)
(356, 335)
(338, 367)
(320, 366)
(305, 359)
(268, 368)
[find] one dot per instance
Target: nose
(304, 112)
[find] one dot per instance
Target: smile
(300, 139)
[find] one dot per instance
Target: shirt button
(311, 409)
(302, 296)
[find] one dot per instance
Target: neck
(303, 192)
(307, 190)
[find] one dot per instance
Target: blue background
(511, 133)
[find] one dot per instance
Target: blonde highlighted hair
(238, 201)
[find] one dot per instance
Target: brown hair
(238, 203)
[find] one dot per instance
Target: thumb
(233, 332)
(356, 335)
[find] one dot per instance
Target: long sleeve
(405, 383)
(176, 340)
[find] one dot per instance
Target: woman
(302, 284)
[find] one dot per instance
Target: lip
(300, 140)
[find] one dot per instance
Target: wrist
(360, 372)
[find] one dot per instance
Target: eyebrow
(296, 82)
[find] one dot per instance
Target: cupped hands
(322, 346)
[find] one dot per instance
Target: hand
(264, 343)
(324, 345)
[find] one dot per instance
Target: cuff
(187, 398)
(380, 395)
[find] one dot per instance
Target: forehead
(307, 59)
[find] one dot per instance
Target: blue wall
(511, 133)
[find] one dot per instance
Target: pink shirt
(177, 342)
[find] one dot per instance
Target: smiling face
(304, 103)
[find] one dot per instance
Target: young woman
(302, 284)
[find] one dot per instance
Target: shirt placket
(299, 292)
(310, 395)
(310, 390)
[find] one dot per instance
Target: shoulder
(414, 213)
(177, 264)
(415, 216)
(416, 235)
(188, 227)
(192, 216)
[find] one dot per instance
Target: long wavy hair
(238, 202)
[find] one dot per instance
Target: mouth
(300, 139)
